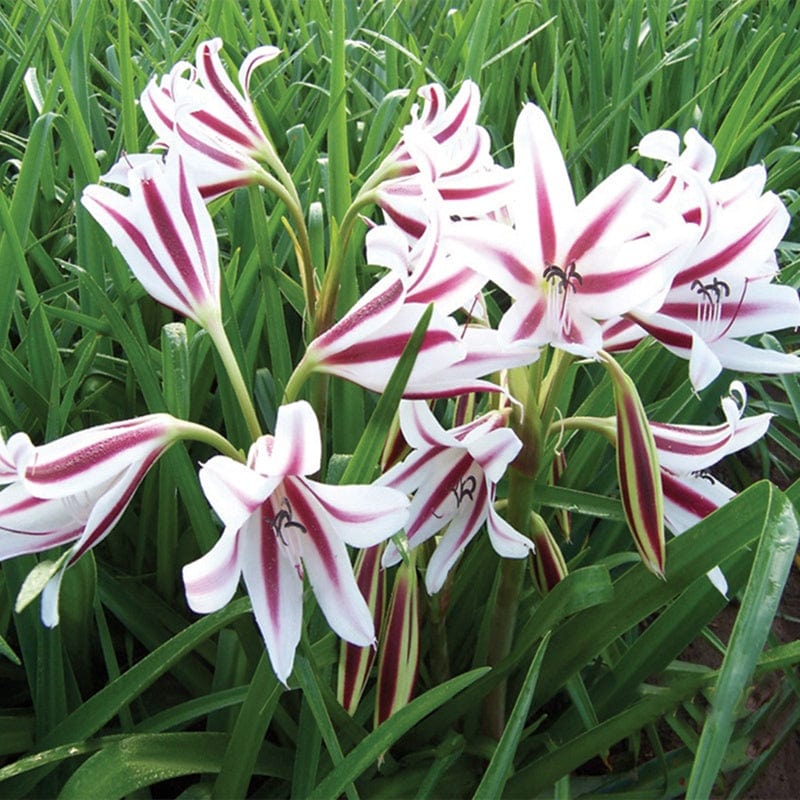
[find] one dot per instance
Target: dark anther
(466, 488)
(705, 475)
(283, 519)
(717, 287)
(567, 278)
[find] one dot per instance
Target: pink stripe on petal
(719, 260)
(434, 500)
(220, 128)
(110, 507)
(276, 592)
(608, 213)
(460, 532)
(128, 237)
(215, 79)
(376, 307)
(92, 456)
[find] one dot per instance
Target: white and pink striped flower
(445, 147)
(280, 526)
(571, 265)
(365, 345)
(75, 489)
(723, 290)
(453, 475)
(687, 452)
(166, 235)
(198, 111)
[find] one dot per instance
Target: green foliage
(156, 698)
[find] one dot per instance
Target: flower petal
(362, 515)
(276, 592)
(459, 534)
(507, 541)
(544, 190)
(296, 448)
(328, 568)
(77, 462)
(494, 451)
(234, 490)
(211, 580)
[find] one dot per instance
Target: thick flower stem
(217, 333)
(504, 614)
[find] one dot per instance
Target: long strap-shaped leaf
(494, 779)
(774, 555)
(385, 735)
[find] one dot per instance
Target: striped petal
(506, 540)
(460, 532)
(211, 581)
(328, 568)
(234, 490)
(362, 516)
(166, 235)
(77, 462)
(495, 450)
(275, 590)
(544, 197)
(296, 448)
(683, 449)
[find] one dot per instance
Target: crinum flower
(280, 525)
(75, 489)
(453, 475)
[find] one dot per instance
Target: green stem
(296, 380)
(199, 433)
(551, 384)
(504, 614)
(605, 426)
(217, 333)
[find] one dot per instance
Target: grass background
(132, 690)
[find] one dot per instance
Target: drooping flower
(453, 475)
(281, 525)
(685, 454)
(570, 266)
(198, 111)
(723, 290)
(445, 147)
(166, 235)
(75, 489)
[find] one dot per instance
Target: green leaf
(385, 735)
(131, 763)
(494, 779)
(37, 579)
(776, 549)
(102, 706)
(176, 373)
(243, 744)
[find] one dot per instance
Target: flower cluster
(683, 259)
